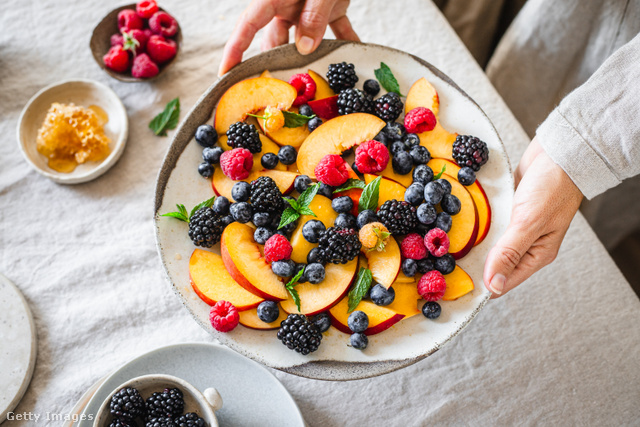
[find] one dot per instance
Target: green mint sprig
(290, 286)
(444, 168)
(370, 195)
(299, 207)
(351, 183)
(387, 79)
(293, 120)
(182, 215)
(359, 290)
(166, 120)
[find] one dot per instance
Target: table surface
(563, 348)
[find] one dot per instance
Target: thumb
(312, 25)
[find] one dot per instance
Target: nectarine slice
(423, 94)
(251, 320)
(266, 73)
(385, 265)
(389, 190)
(464, 225)
(459, 283)
(268, 146)
(325, 108)
(222, 185)
(321, 206)
(404, 180)
(323, 90)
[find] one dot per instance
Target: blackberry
(354, 101)
(244, 135)
(190, 419)
(160, 422)
(466, 176)
(212, 155)
(359, 341)
(431, 310)
(365, 217)
(266, 196)
(358, 321)
(470, 151)
(339, 245)
(399, 217)
(127, 403)
(381, 295)
(117, 422)
(299, 334)
(169, 403)
(205, 169)
(322, 321)
(206, 136)
(341, 76)
(268, 311)
(269, 160)
(371, 87)
(345, 220)
(205, 227)
(388, 107)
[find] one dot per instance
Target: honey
(72, 135)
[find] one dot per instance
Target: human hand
(310, 17)
(545, 202)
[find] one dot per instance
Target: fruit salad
(333, 206)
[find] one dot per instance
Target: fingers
(275, 34)
(313, 22)
(343, 30)
(532, 151)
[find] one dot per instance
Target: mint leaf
(206, 204)
(290, 286)
(293, 120)
(387, 79)
(351, 183)
(181, 214)
(307, 195)
(288, 216)
(363, 283)
(305, 210)
(166, 120)
(294, 203)
(369, 196)
(444, 168)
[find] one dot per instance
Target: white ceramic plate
(84, 93)
(406, 342)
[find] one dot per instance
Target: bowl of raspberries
(136, 42)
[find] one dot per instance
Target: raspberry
(236, 164)
(128, 19)
(224, 316)
(374, 236)
(163, 24)
(305, 86)
(135, 41)
(419, 120)
(371, 157)
(146, 8)
(117, 39)
(277, 248)
(432, 285)
(412, 247)
(144, 67)
(117, 59)
(332, 170)
(437, 242)
(161, 49)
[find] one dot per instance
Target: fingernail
(305, 44)
(497, 284)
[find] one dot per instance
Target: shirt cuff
(569, 150)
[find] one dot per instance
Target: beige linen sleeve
(594, 134)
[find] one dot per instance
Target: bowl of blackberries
(159, 401)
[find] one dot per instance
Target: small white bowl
(80, 92)
(204, 404)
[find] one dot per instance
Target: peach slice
(354, 194)
(402, 278)
(459, 283)
(464, 225)
(385, 265)
(222, 185)
(245, 263)
(251, 95)
(477, 192)
(323, 90)
(268, 146)
(315, 299)
(212, 282)
(334, 137)
(423, 94)
(404, 180)
(286, 136)
(250, 319)
(389, 190)
(321, 206)
(266, 73)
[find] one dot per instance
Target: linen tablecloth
(564, 348)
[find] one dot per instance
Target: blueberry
(301, 183)
(381, 295)
(296, 270)
(347, 153)
(305, 110)
(326, 190)
(431, 310)
(396, 147)
(354, 166)
(268, 311)
(358, 321)
(359, 341)
(212, 155)
(283, 268)
(287, 155)
(241, 212)
(345, 220)
(206, 135)
(226, 220)
(312, 230)
(420, 155)
(314, 123)
(409, 267)
(315, 273)
(446, 185)
(241, 191)
(322, 321)
(411, 140)
(342, 204)
(221, 205)
(371, 87)
(445, 264)
(269, 160)
(365, 217)
(205, 169)
(395, 131)
(423, 229)
(402, 163)
(425, 265)
(466, 176)
(261, 219)
(423, 174)
(382, 138)
(414, 194)
(450, 204)
(261, 235)
(443, 221)
(433, 193)
(427, 213)
(315, 256)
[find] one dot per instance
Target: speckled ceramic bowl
(406, 342)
